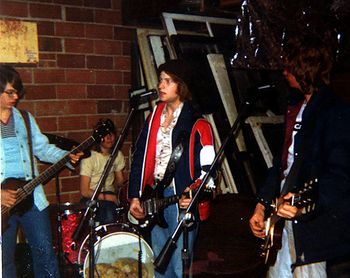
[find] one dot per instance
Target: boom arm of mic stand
(165, 254)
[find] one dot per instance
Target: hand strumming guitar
(256, 222)
(8, 197)
(135, 209)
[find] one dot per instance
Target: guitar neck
(52, 170)
(162, 203)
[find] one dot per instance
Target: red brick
(71, 91)
(80, 76)
(47, 56)
(126, 48)
(26, 74)
(70, 29)
(126, 78)
(108, 17)
(11, 8)
(47, 124)
(109, 77)
(79, 14)
(79, 46)
(50, 44)
(51, 108)
(99, 31)
(122, 63)
(98, 3)
(99, 62)
(75, 107)
(49, 76)
(41, 92)
(71, 61)
(71, 184)
(124, 34)
(79, 136)
(109, 106)
(46, 28)
(72, 123)
(107, 47)
(95, 91)
(122, 92)
(69, 2)
(27, 105)
(47, 64)
(45, 11)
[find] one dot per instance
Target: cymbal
(68, 207)
(61, 142)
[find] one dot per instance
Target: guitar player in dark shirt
(317, 135)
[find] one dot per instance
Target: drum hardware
(92, 203)
(118, 247)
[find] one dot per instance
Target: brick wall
(84, 71)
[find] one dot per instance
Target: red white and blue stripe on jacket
(189, 166)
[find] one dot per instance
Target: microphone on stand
(142, 96)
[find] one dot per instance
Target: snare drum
(117, 250)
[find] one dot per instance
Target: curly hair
(310, 61)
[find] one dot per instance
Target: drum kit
(119, 248)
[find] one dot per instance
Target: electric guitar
(24, 200)
(274, 224)
(153, 203)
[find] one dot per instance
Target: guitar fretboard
(51, 171)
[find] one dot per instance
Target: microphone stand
(92, 203)
(164, 256)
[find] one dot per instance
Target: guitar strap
(29, 134)
(174, 159)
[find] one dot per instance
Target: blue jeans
(160, 236)
(37, 229)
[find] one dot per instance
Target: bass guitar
(24, 200)
(274, 224)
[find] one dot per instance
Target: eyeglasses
(167, 81)
(11, 93)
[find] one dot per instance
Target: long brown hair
(310, 61)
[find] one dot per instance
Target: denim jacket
(42, 150)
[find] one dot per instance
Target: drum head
(118, 252)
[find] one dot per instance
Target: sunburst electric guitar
(24, 189)
(274, 224)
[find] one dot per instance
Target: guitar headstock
(306, 196)
(102, 129)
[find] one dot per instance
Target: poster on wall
(19, 42)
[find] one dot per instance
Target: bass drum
(118, 248)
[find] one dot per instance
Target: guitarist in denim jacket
(172, 117)
(314, 240)
(16, 163)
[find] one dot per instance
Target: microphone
(150, 93)
(142, 95)
(265, 87)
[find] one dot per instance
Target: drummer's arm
(85, 190)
